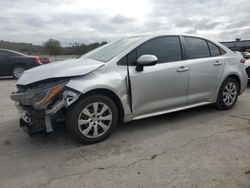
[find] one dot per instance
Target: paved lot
(200, 147)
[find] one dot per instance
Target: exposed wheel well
(237, 79)
(111, 95)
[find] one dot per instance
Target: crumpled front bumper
(36, 125)
(35, 121)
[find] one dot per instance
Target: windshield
(109, 51)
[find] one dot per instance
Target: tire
(226, 90)
(86, 124)
(17, 71)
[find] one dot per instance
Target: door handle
(217, 63)
(182, 69)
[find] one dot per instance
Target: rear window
(215, 51)
(196, 48)
(222, 51)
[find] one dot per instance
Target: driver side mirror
(145, 60)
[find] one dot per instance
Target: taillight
(242, 60)
(38, 60)
(47, 60)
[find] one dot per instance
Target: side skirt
(169, 111)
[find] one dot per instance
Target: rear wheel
(228, 94)
(17, 71)
(92, 119)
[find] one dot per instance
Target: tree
(53, 47)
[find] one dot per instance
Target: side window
(215, 51)
(132, 57)
(166, 49)
(196, 48)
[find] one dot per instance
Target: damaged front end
(42, 105)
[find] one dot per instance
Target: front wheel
(92, 119)
(228, 94)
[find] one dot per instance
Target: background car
(247, 66)
(14, 63)
(45, 60)
(246, 55)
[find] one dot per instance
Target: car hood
(67, 68)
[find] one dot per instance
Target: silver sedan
(129, 79)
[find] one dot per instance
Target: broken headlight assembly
(39, 97)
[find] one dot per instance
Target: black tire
(21, 68)
(220, 104)
(74, 111)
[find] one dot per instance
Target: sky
(86, 21)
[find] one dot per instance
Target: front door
(164, 85)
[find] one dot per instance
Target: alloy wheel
(18, 71)
(229, 93)
(95, 120)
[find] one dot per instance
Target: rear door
(206, 67)
(164, 85)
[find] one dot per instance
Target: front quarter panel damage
(112, 80)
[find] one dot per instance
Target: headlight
(39, 97)
(50, 93)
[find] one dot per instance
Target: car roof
(173, 34)
(149, 36)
